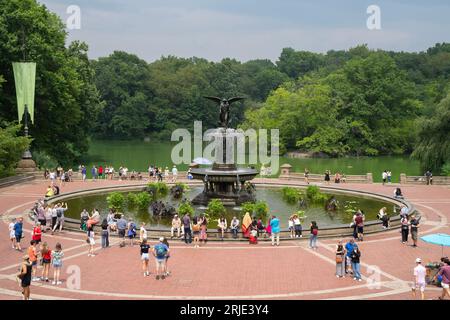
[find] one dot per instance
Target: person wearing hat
(25, 277)
(174, 173)
(419, 279)
(160, 251)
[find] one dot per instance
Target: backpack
(315, 231)
(59, 213)
(161, 251)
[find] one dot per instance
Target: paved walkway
(227, 270)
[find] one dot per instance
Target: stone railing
(9, 181)
(288, 174)
(422, 180)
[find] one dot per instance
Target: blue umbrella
(202, 161)
(441, 239)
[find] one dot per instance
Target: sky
(251, 29)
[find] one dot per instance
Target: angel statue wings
(224, 105)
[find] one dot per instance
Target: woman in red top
(37, 234)
(46, 254)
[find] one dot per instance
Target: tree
(12, 146)
(433, 145)
(298, 63)
(65, 96)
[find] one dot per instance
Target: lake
(138, 155)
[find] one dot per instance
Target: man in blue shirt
(160, 251)
(275, 225)
(349, 246)
(18, 231)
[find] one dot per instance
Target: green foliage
(132, 199)
(185, 207)
(66, 99)
(12, 146)
(314, 194)
(260, 209)
(446, 169)
(44, 160)
(143, 200)
(291, 195)
(215, 209)
(157, 190)
(116, 200)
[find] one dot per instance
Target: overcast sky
(250, 29)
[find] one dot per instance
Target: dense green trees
(12, 146)
(66, 99)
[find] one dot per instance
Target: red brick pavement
(227, 270)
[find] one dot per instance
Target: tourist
(404, 228)
(297, 226)
(160, 252)
(25, 277)
(253, 237)
(306, 174)
(143, 233)
(355, 257)
(222, 227)
(46, 255)
(94, 219)
(37, 234)
(359, 223)
(145, 247)
(100, 172)
(60, 217)
(246, 225)
(122, 227)
(383, 216)
(444, 272)
(419, 279)
(112, 222)
(33, 254)
(189, 175)
(166, 174)
(340, 260)
(349, 246)
(398, 194)
(131, 233)
(389, 176)
(203, 229)
(12, 233)
(314, 230)
(84, 217)
(49, 193)
(327, 177)
(176, 225)
(174, 173)
(41, 216)
(196, 231)
(52, 177)
(234, 226)
(260, 227)
(55, 190)
(275, 226)
(166, 268)
(269, 228)
(187, 229)
(94, 173)
(57, 256)
(384, 177)
(404, 211)
(105, 233)
(337, 178)
(48, 217)
(429, 177)
(18, 232)
(83, 173)
(91, 241)
(291, 226)
(414, 228)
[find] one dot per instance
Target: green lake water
(138, 155)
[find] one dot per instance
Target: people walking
(314, 230)
(384, 176)
(444, 272)
(12, 233)
(105, 233)
(355, 257)
(187, 229)
(18, 232)
(160, 252)
(419, 279)
(404, 228)
(340, 260)
(25, 277)
(414, 228)
(349, 246)
(91, 241)
(145, 247)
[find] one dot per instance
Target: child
(253, 239)
(91, 241)
(46, 254)
(32, 253)
(37, 234)
(291, 226)
(12, 233)
(57, 256)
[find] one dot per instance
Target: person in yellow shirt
(50, 192)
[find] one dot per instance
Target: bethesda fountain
(224, 180)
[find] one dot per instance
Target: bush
(157, 190)
(132, 199)
(12, 145)
(446, 169)
(259, 209)
(215, 209)
(314, 194)
(291, 195)
(116, 200)
(248, 207)
(185, 207)
(143, 200)
(44, 161)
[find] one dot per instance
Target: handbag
(339, 258)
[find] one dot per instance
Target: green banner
(24, 76)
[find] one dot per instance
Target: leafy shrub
(143, 200)
(116, 200)
(185, 207)
(132, 199)
(291, 195)
(215, 209)
(314, 194)
(157, 190)
(259, 209)
(248, 207)
(44, 161)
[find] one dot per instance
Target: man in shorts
(444, 272)
(18, 232)
(419, 279)
(122, 227)
(160, 251)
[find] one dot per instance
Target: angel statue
(224, 109)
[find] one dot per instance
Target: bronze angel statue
(224, 105)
